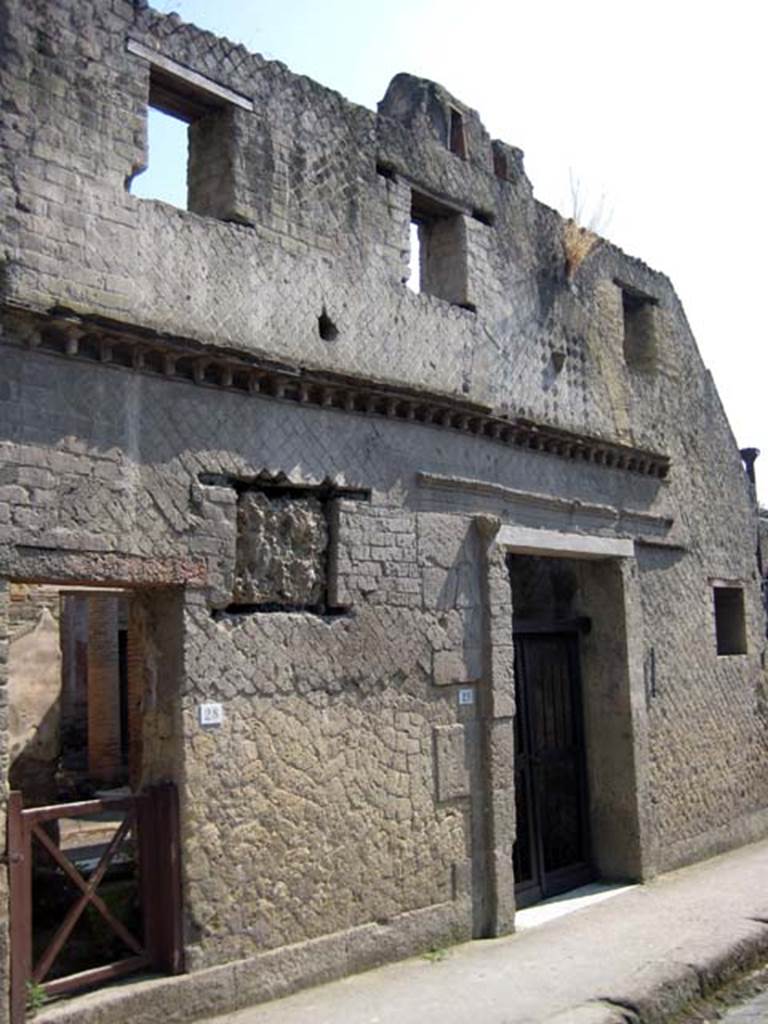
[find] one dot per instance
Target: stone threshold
(568, 903)
(93, 339)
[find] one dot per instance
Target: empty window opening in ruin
(414, 257)
(165, 175)
(457, 142)
(730, 624)
(190, 140)
(438, 251)
(639, 328)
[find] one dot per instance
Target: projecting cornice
(111, 343)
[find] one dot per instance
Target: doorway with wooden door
(552, 852)
(552, 847)
(582, 798)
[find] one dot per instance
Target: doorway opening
(79, 707)
(93, 686)
(580, 810)
(552, 849)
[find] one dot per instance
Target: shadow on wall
(34, 712)
(61, 746)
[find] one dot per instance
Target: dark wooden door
(552, 849)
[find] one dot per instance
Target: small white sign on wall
(466, 695)
(211, 714)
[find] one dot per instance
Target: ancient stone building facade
(447, 568)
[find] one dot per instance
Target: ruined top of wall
(295, 244)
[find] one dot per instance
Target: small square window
(730, 625)
(438, 244)
(639, 322)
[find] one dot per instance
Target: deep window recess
(457, 141)
(500, 167)
(438, 260)
(730, 625)
(639, 320)
(189, 139)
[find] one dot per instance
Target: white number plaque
(211, 714)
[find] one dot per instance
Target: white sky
(659, 106)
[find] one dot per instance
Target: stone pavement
(755, 1011)
(636, 957)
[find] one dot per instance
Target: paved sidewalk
(636, 957)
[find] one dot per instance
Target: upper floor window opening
(438, 251)
(165, 175)
(457, 141)
(189, 138)
(730, 623)
(640, 341)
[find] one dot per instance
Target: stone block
(452, 667)
(451, 762)
(448, 668)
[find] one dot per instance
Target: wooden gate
(149, 823)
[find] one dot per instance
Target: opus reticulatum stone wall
(338, 504)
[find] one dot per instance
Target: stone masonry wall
(312, 210)
(330, 722)
(346, 785)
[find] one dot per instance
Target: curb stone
(593, 1013)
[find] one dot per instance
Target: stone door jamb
(497, 697)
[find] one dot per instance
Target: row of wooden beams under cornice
(96, 340)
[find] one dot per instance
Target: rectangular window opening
(190, 140)
(438, 251)
(165, 175)
(730, 624)
(457, 142)
(639, 328)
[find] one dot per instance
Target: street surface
(744, 1002)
